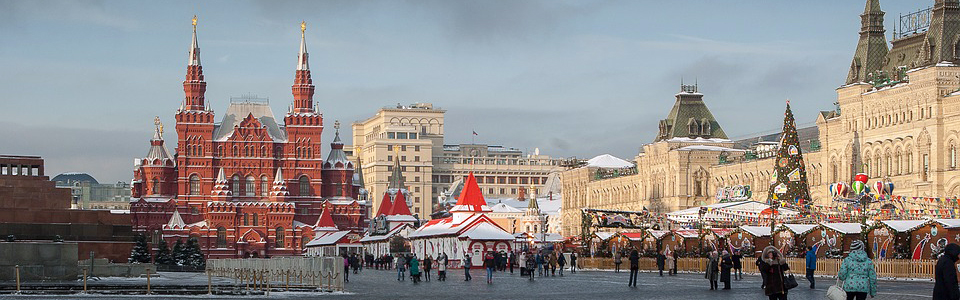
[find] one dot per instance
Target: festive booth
(832, 240)
(691, 239)
(891, 238)
(748, 239)
(790, 235)
(718, 240)
(635, 239)
(673, 241)
(652, 239)
(618, 242)
(927, 240)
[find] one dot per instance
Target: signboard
(734, 193)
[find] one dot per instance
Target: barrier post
(148, 281)
(17, 268)
(209, 284)
(84, 280)
(268, 282)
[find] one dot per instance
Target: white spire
(302, 59)
(278, 179)
(221, 178)
(176, 221)
(194, 59)
(221, 187)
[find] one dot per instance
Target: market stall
(790, 235)
(748, 239)
(832, 240)
(891, 238)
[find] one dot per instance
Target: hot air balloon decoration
(889, 187)
(880, 188)
(859, 188)
(839, 189)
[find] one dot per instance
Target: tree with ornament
(789, 184)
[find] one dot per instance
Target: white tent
(729, 211)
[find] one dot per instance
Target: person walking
(661, 262)
(617, 260)
(561, 262)
(945, 285)
(573, 262)
(490, 263)
(726, 263)
(553, 263)
(775, 266)
(763, 276)
(427, 265)
(415, 268)
(346, 268)
(671, 263)
(442, 267)
(676, 261)
(467, 264)
(857, 273)
(812, 265)
(401, 264)
(634, 267)
(511, 260)
(539, 260)
(531, 264)
(737, 264)
(713, 269)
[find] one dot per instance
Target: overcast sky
(82, 80)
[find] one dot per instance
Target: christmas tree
(194, 256)
(789, 185)
(140, 252)
(179, 253)
(163, 256)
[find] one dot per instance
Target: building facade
(88, 193)
(415, 133)
(248, 185)
(896, 119)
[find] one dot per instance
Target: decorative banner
(794, 175)
(780, 189)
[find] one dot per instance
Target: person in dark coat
(774, 265)
(511, 260)
(713, 269)
(945, 286)
(726, 263)
(737, 264)
(561, 261)
(634, 267)
(676, 261)
(661, 262)
(427, 265)
(617, 260)
(763, 276)
(573, 262)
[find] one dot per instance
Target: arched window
(194, 184)
(909, 161)
(246, 220)
(953, 156)
(280, 237)
(256, 220)
(236, 151)
(304, 185)
(235, 185)
(221, 237)
(250, 187)
(155, 186)
(263, 185)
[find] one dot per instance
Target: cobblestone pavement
(376, 284)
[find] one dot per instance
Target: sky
(81, 81)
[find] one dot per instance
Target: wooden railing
(886, 268)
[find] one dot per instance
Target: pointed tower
(400, 207)
(325, 221)
(533, 208)
(470, 202)
(337, 170)
(872, 46)
(221, 187)
(194, 86)
(176, 222)
(279, 190)
(302, 84)
(386, 206)
(944, 33)
(194, 123)
(155, 175)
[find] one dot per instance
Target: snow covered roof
(657, 234)
(727, 211)
(325, 221)
(949, 223)
(448, 227)
(757, 231)
(487, 231)
(539, 237)
(799, 228)
(239, 110)
(503, 208)
(698, 140)
(904, 225)
(175, 221)
(845, 228)
(471, 198)
(604, 235)
(368, 238)
(633, 236)
(688, 233)
(709, 148)
(547, 206)
(608, 161)
(327, 238)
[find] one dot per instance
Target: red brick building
(248, 186)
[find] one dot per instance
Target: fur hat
(856, 245)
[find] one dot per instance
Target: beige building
(896, 118)
(415, 134)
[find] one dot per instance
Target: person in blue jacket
(811, 265)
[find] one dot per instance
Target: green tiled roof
(690, 109)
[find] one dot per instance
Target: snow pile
(608, 161)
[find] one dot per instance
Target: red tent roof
(325, 219)
(385, 206)
(400, 205)
(471, 195)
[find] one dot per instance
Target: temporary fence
(886, 268)
(322, 273)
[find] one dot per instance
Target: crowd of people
(856, 277)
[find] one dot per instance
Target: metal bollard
(268, 283)
(148, 280)
(84, 280)
(18, 278)
(288, 281)
(209, 284)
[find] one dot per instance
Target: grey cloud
(14, 12)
